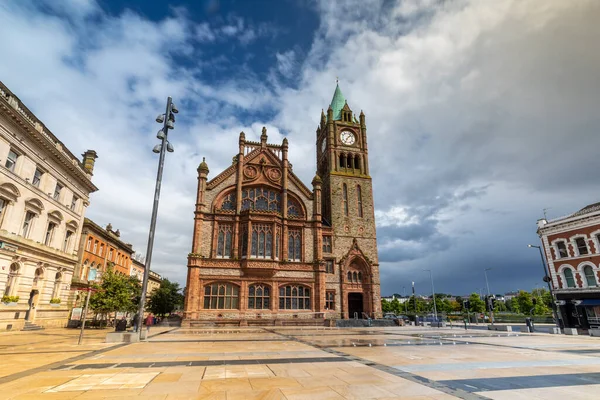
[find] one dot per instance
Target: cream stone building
(44, 192)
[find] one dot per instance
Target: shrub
(55, 301)
(10, 299)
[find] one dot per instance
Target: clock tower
(347, 209)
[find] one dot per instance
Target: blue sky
(480, 113)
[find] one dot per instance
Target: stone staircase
(30, 326)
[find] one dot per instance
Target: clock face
(347, 137)
(323, 145)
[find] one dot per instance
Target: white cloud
(479, 114)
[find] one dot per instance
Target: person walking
(149, 322)
(136, 321)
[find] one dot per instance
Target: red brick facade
(258, 251)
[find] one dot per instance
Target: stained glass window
(224, 241)
(294, 244)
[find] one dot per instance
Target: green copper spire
(337, 103)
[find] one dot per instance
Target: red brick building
(266, 247)
(572, 248)
(99, 247)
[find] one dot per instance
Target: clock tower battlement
(347, 197)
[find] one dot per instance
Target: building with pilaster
(266, 248)
(44, 192)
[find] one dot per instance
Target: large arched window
(359, 198)
(294, 244)
(569, 277)
(345, 198)
(259, 297)
(589, 276)
(294, 298)
(12, 283)
(221, 296)
(228, 203)
(224, 240)
(261, 199)
(294, 209)
(262, 241)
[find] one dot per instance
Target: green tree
(115, 293)
(524, 301)
(455, 306)
(166, 298)
(476, 304)
(385, 306)
(500, 306)
(460, 300)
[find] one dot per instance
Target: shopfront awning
(590, 302)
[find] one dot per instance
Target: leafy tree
(166, 298)
(460, 301)
(524, 301)
(476, 304)
(455, 305)
(500, 306)
(115, 293)
(386, 307)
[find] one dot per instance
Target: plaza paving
(300, 363)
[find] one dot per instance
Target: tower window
(329, 266)
(357, 162)
(360, 203)
(345, 198)
(349, 161)
(326, 244)
(342, 161)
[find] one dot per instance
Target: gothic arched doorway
(355, 305)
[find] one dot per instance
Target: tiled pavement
(300, 363)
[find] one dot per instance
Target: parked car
(390, 316)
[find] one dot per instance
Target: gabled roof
(587, 209)
(337, 103)
(253, 156)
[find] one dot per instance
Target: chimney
(89, 159)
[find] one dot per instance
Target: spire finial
(337, 80)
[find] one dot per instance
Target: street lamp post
(168, 120)
(548, 279)
(433, 294)
(489, 299)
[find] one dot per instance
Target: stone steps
(30, 326)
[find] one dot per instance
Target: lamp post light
(433, 294)
(547, 279)
(489, 298)
(168, 121)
